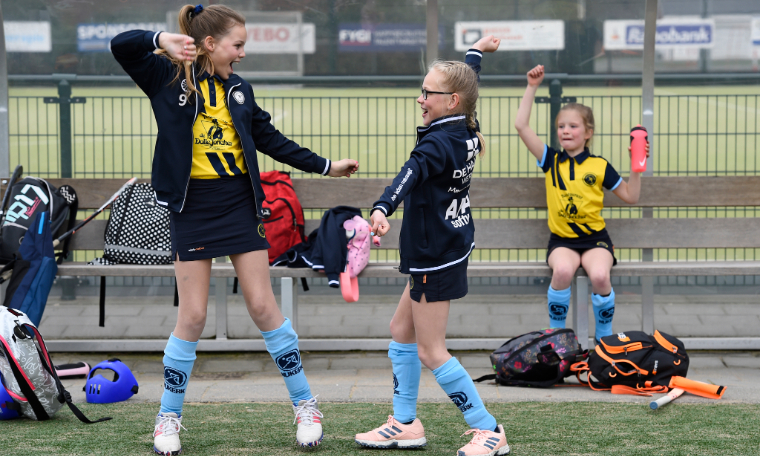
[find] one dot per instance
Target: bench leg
(580, 309)
(221, 305)
(647, 305)
(289, 299)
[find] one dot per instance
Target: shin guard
(282, 345)
(407, 370)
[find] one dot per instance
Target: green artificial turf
(532, 429)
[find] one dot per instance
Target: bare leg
(252, 269)
(402, 323)
(430, 319)
(193, 278)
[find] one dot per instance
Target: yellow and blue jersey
(217, 150)
(575, 191)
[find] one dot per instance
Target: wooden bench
(497, 193)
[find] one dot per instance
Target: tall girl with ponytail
(206, 173)
(436, 239)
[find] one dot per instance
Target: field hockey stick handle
(666, 399)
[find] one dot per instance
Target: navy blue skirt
(219, 219)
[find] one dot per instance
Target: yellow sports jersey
(574, 191)
(216, 145)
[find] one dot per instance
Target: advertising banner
(280, 38)
(97, 37)
(27, 36)
(515, 35)
(384, 38)
(672, 33)
(756, 31)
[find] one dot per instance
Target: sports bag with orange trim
(634, 362)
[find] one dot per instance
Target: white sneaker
(309, 420)
(166, 434)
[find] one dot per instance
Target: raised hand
(487, 44)
(343, 168)
(536, 76)
(180, 47)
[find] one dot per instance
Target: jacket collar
(454, 121)
(232, 80)
(578, 158)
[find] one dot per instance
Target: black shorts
(440, 286)
(219, 219)
(598, 240)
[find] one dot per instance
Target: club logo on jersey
(262, 233)
(183, 84)
(460, 400)
(603, 244)
(289, 363)
(174, 380)
(557, 311)
(589, 179)
(395, 385)
(606, 315)
(239, 97)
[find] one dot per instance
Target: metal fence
(695, 135)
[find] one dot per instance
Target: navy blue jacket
(326, 249)
(175, 116)
(437, 232)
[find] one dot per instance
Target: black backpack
(24, 199)
(634, 362)
(538, 359)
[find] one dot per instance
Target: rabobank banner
(671, 33)
(384, 37)
(97, 37)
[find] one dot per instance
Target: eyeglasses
(426, 92)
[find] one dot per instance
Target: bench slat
(475, 269)
(320, 193)
(534, 233)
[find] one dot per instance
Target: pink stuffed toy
(359, 242)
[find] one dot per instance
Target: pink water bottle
(639, 149)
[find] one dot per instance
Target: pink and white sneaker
(309, 419)
(393, 434)
(485, 443)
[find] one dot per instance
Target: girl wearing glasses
(436, 239)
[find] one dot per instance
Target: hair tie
(198, 9)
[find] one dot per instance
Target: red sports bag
(283, 215)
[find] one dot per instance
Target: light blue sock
(559, 303)
(604, 309)
(179, 357)
(407, 370)
(456, 382)
(282, 344)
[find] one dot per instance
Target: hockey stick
(84, 222)
(666, 399)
